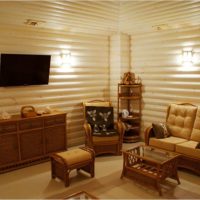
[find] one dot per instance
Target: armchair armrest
(120, 128)
(147, 134)
(88, 134)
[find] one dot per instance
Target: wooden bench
(62, 163)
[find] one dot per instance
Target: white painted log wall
(86, 79)
(156, 59)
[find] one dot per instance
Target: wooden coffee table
(150, 165)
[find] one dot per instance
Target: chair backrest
(98, 103)
(98, 112)
(195, 136)
(180, 119)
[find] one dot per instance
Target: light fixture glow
(187, 56)
(187, 60)
(66, 59)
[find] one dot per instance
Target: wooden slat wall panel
(155, 59)
(86, 79)
(159, 30)
(119, 63)
(115, 68)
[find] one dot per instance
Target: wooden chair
(101, 133)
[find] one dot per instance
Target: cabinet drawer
(8, 127)
(30, 124)
(53, 120)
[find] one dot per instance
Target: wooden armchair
(101, 133)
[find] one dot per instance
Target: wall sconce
(187, 60)
(65, 59)
(187, 57)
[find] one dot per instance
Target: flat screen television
(24, 69)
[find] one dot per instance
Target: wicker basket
(28, 111)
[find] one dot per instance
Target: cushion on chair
(91, 115)
(180, 120)
(105, 140)
(107, 133)
(75, 155)
(106, 116)
(160, 130)
(188, 148)
(195, 136)
(168, 143)
(101, 120)
(97, 103)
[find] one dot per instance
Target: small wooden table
(150, 165)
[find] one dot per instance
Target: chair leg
(66, 178)
(52, 169)
(92, 169)
(158, 187)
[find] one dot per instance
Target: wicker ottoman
(62, 163)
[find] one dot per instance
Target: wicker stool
(62, 163)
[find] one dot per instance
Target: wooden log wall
(86, 78)
(156, 58)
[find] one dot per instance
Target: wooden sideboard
(28, 141)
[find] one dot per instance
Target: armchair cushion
(106, 140)
(101, 120)
(108, 132)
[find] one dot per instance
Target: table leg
(177, 177)
(122, 174)
(158, 187)
(124, 163)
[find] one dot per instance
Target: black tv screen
(21, 69)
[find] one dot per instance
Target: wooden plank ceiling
(148, 16)
(105, 17)
(70, 16)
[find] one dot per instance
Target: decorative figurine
(128, 78)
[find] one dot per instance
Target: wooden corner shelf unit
(27, 141)
(129, 98)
